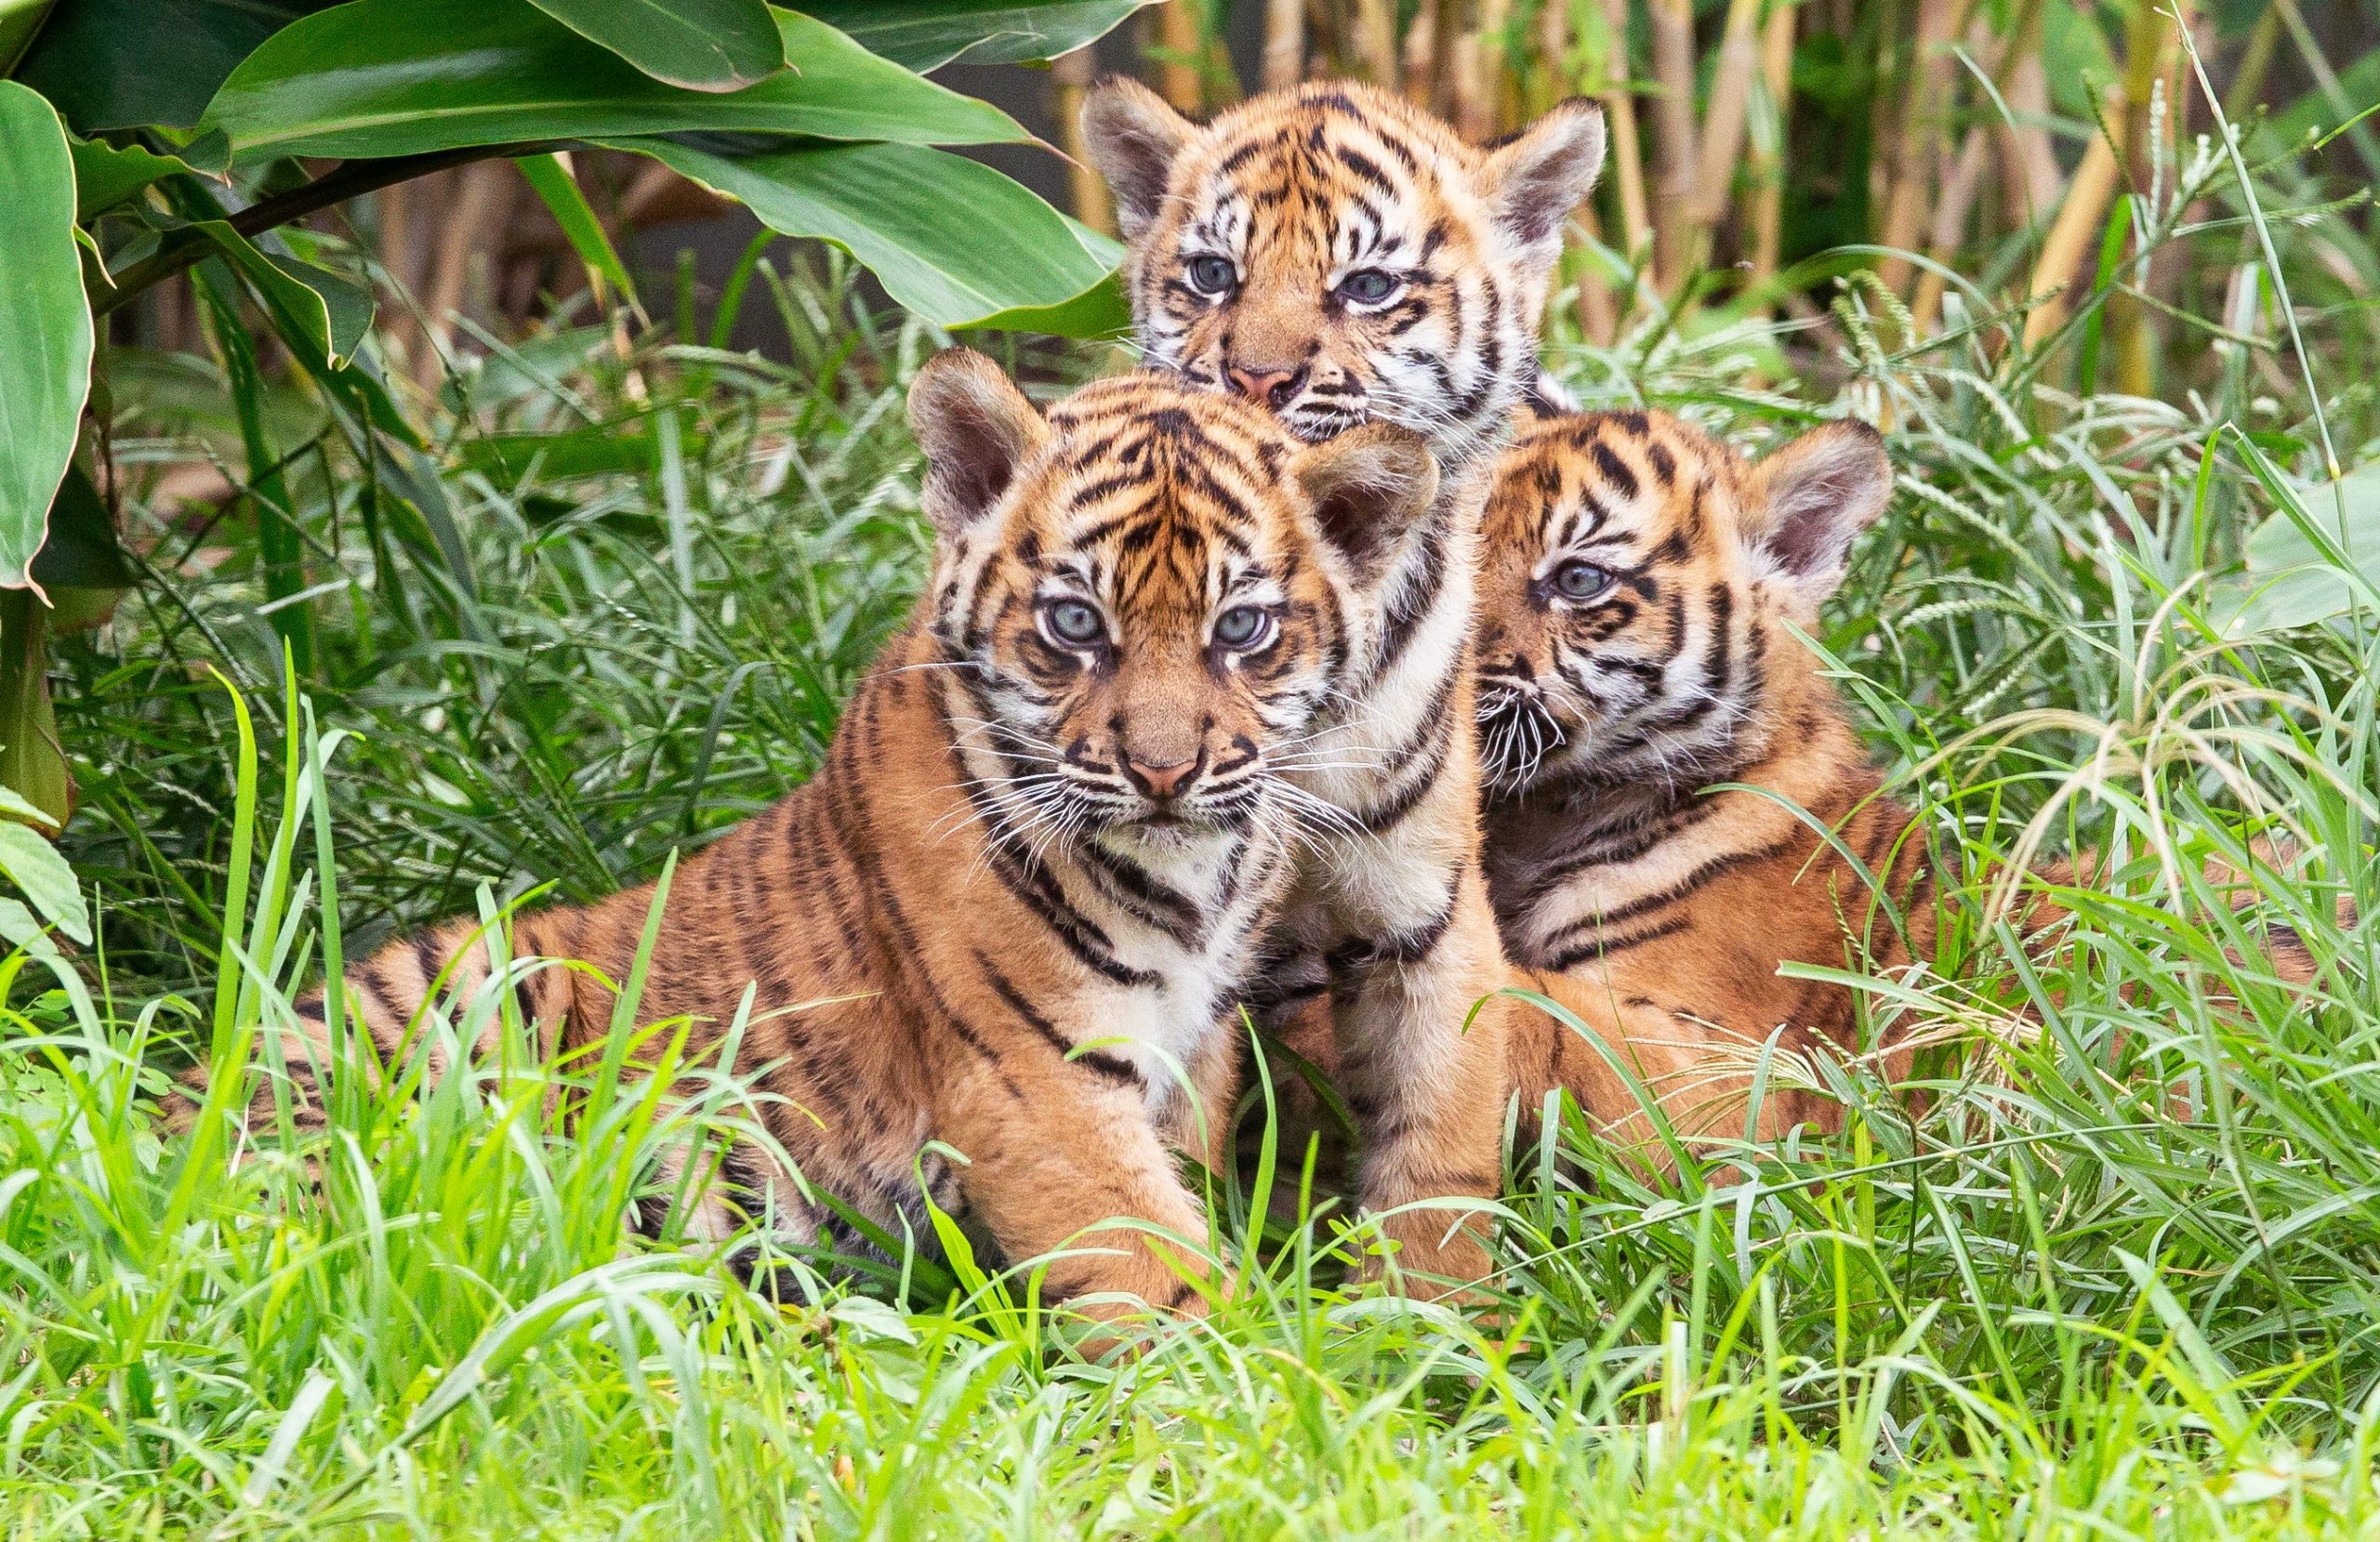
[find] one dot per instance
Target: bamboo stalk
(1959, 192)
(2030, 160)
(1375, 38)
(1284, 43)
(1723, 124)
(1674, 70)
(1553, 53)
(1917, 154)
(1180, 46)
(1768, 189)
(1070, 79)
(2080, 220)
(1627, 149)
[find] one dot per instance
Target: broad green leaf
(45, 325)
(2292, 580)
(107, 175)
(322, 317)
(81, 552)
(927, 34)
(555, 185)
(34, 865)
(403, 77)
(134, 63)
(952, 240)
(702, 45)
(16, 805)
(19, 19)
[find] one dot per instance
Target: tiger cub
(1638, 580)
(1343, 258)
(1636, 585)
(1015, 902)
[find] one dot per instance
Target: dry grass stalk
(1674, 72)
(1181, 44)
(1070, 79)
(1627, 151)
(2080, 220)
(1767, 168)
(1723, 125)
(1284, 43)
(1919, 148)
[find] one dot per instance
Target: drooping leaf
(952, 240)
(19, 19)
(701, 44)
(81, 552)
(927, 34)
(403, 77)
(45, 325)
(2292, 579)
(34, 865)
(321, 316)
(132, 63)
(106, 175)
(553, 183)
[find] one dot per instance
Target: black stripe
(1107, 1066)
(1604, 946)
(1410, 947)
(1707, 871)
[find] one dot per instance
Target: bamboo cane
(1768, 191)
(1723, 125)
(1070, 78)
(1180, 48)
(2080, 218)
(1284, 43)
(1619, 114)
(1673, 71)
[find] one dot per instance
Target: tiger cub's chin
(1014, 908)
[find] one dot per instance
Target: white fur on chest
(1160, 1029)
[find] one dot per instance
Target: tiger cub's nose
(1163, 778)
(1267, 385)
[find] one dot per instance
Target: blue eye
(1369, 285)
(1074, 624)
(1242, 626)
(1212, 275)
(1577, 580)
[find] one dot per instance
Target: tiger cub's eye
(1242, 626)
(1577, 580)
(1368, 286)
(1211, 275)
(1075, 624)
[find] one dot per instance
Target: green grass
(2112, 1266)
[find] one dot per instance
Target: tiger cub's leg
(1423, 1075)
(1045, 1155)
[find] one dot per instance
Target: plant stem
(348, 180)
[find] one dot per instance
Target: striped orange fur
(1346, 260)
(1638, 582)
(1016, 902)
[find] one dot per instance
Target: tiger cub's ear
(1808, 500)
(976, 428)
(1133, 134)
(1371, 486)
(1536, 178)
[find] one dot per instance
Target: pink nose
(1264, 384)
(1165, 780)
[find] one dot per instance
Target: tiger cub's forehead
(1142, 473)
(1625, 487)
(1343, 166)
